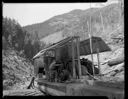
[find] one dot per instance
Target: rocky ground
(17, 70)
(114, 72)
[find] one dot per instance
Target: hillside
(17, 66)
(17, 70)
(77, 22)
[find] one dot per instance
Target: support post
(98, 58)
(91, 45)
(73, 61)
(102, 21)
(78, 56)
(91, 54)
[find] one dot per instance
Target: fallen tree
(116, 61)
(116, 68)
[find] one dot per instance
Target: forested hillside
(18, 48)
(15, 37)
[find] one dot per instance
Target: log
(116, 61)
(114, 68)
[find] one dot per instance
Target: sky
(30, 13)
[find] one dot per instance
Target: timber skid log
(23, 92)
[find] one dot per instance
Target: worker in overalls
(53, 70)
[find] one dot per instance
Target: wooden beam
(78, 56)
(91, 45)
(98, 58)
(91, 54)
(73, 60)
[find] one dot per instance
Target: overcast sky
(31, 13)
